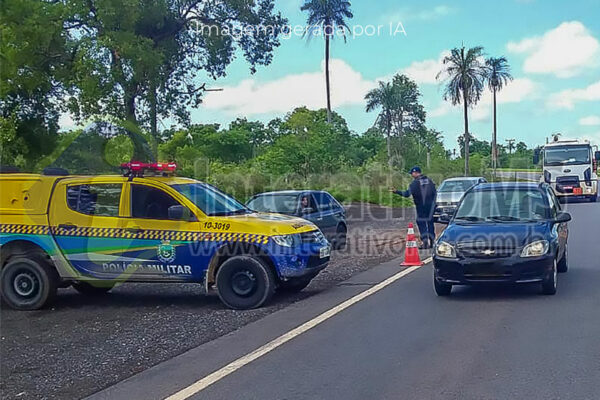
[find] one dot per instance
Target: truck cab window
(149, 202)
(98, 199)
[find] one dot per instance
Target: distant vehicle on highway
(319, 207)
(451, 191)
(503, 232)
(569, 166)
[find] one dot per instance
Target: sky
(553, 47)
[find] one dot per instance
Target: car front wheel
(549, 284)
(563, 264)
(441, 289)
(244, 283)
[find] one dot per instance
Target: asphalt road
(404, 342)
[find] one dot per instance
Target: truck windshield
(571, 155)
(210, 200)
(504, 205)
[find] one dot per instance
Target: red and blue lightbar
(137, 168)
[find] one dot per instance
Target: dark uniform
(423, 191)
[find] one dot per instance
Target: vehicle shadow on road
(496, 292)
(184, 297)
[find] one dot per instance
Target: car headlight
(535, 249)
(444, 249)
(285, 240)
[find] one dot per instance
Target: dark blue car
(505, 233)
(319, 207)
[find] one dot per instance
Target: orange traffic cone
(411, 253)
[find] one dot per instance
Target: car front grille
(312, 237)
(481, 250)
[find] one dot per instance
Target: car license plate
(577, 190)
(325, 252)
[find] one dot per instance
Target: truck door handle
(67, 227)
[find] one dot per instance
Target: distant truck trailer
(570, 167)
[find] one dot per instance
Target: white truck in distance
(570, 167)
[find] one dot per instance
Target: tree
(327, 17)
(464, 74)
(34, 58)
(139, 60)
(400, 108)
(498, 75)
(383, 97)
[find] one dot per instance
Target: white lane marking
(286, 337)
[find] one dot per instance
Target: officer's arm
(404, 193)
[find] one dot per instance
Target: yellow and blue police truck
(93, 232)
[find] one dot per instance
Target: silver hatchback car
(451, 191)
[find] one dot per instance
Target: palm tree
(327, 17)
(464, 73)
(384, 97)
(498, 76)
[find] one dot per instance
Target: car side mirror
(308, 210)
(444, 219)
(563, 217)
(180, 213)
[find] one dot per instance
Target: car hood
(449, 197)
(511, 234)
(267, 224)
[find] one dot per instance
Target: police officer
(424, 193)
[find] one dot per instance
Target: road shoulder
(172, 375)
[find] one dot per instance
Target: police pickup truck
(93, 232)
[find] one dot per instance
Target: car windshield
(276, 203)
(571, 155)
(210, 200)
(460, 186)
(502, 205)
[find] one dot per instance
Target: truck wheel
(245, 283)
(549, 283)
(594, 198)
(95, 289)
(295, 285)
(28, 283)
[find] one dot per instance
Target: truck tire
(594, 198)
(244, 283)
(28, 283)
(92, 290)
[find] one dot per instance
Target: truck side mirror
(597, 156)
(536, 156)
